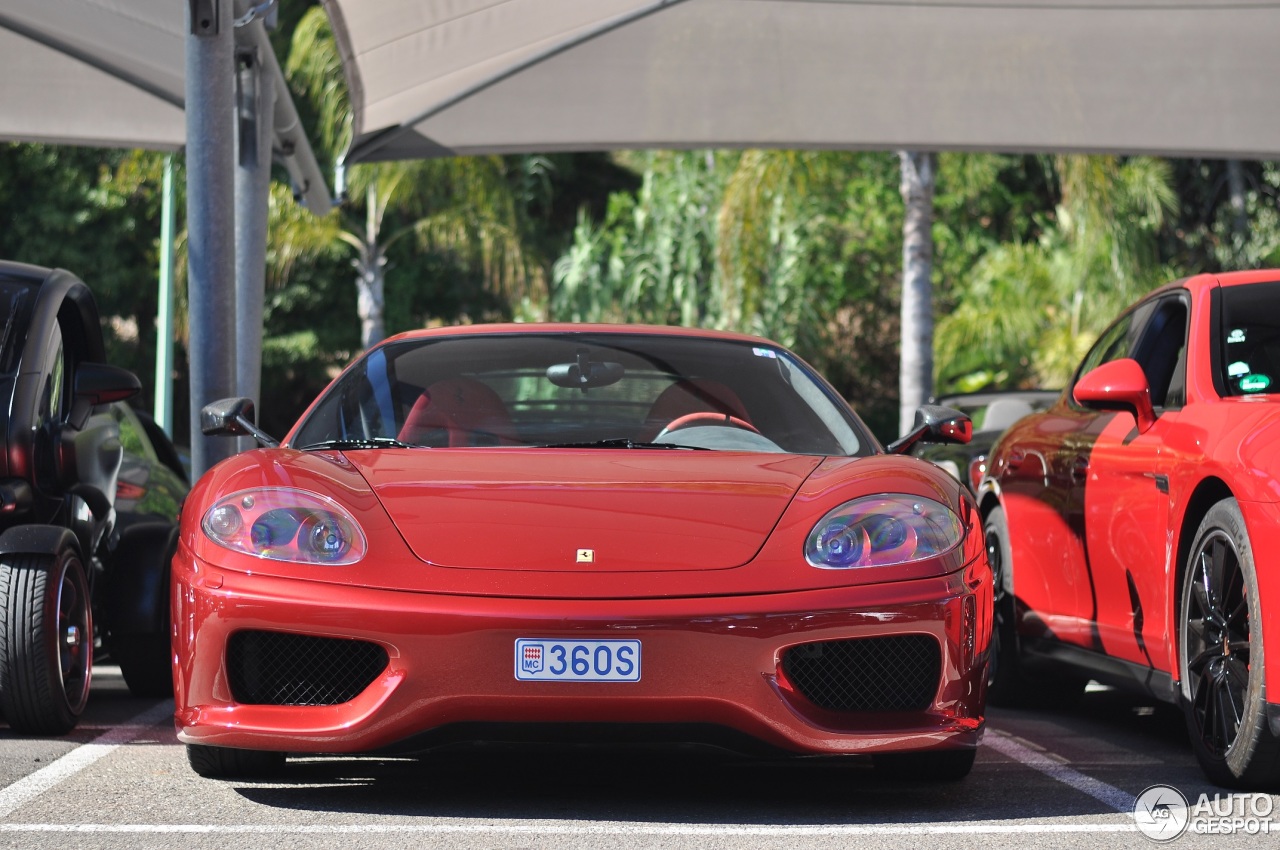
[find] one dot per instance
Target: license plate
(554, 660)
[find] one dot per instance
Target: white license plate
(555, 660)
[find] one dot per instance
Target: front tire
(935, 765)
(227, 763)
(1222, 664)
(46, 642)
(135, 606)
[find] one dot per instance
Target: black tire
(139, 576)
(46, 642)
(226, 763)
(145, 663)
(1221, 659)
(1009, 683)
(935, 765)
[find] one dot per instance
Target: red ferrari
(1128, 524)
(572, 532)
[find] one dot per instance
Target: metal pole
(164, 310)
(211, 124)
(255, 106)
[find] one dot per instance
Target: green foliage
(1030, 308)
(1032, 254)
(97, 214)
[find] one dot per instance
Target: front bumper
(712, 662)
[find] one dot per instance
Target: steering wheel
(707, 417)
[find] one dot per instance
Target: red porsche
(573, 532)
(1131, 525)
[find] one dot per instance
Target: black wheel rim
(1217, 642)
(75, 642)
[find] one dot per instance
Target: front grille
(897, 673)
(275, 668)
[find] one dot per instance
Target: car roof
(578, 328)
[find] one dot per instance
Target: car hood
(583, 509)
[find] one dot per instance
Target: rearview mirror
(233, 417)
(585, 374)
(934, 424)
(99, 383)
(1118, 385)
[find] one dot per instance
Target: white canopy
(110, 73)
(1171, 77)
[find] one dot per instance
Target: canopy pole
(255, 107)
(211, 125)
(163, 409)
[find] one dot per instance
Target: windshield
(1250, 338)
(613, 390)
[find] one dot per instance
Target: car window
(1114, 343)
(1162, 351)
(132, 437)
(1249, 339)
(538, 389)
(54, 401)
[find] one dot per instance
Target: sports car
(1128, 525)
(579, 533)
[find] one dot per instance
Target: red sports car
(1129, 525)
(540, 532)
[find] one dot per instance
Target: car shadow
(650, 786)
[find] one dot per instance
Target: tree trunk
(1235, 187)
(370, 274)
(915, 379)
(369, 296)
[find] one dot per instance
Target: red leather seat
(459, 412)
(695, 395)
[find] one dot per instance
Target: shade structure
(110, 73)
(1167, 77)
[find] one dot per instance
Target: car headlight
(877, 531)
(285, 525)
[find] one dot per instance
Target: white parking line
(35, 784)
(1002, 743)
(577, 829)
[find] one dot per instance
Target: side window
(1112, 345)
(132, 436)
(1162, 352)
(55, 400)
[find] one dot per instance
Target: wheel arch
(1206, 494)
(35, 539)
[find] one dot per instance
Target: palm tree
(465, 205)
(915, 379)
(1031, 310)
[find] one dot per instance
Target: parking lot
(1057, 779)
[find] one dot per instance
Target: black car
(992, 412)
(62, 552)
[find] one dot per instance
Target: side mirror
(935, 424)
(99, 383)
(1118, 385)
(233, 417)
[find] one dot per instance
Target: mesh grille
(274, 668)
(898, 673)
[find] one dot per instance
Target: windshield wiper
(358, 443)
(618, 443)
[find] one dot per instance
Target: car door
(1122, 485)
(1042, 465)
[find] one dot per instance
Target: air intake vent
(275, 668)
(898, 673)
